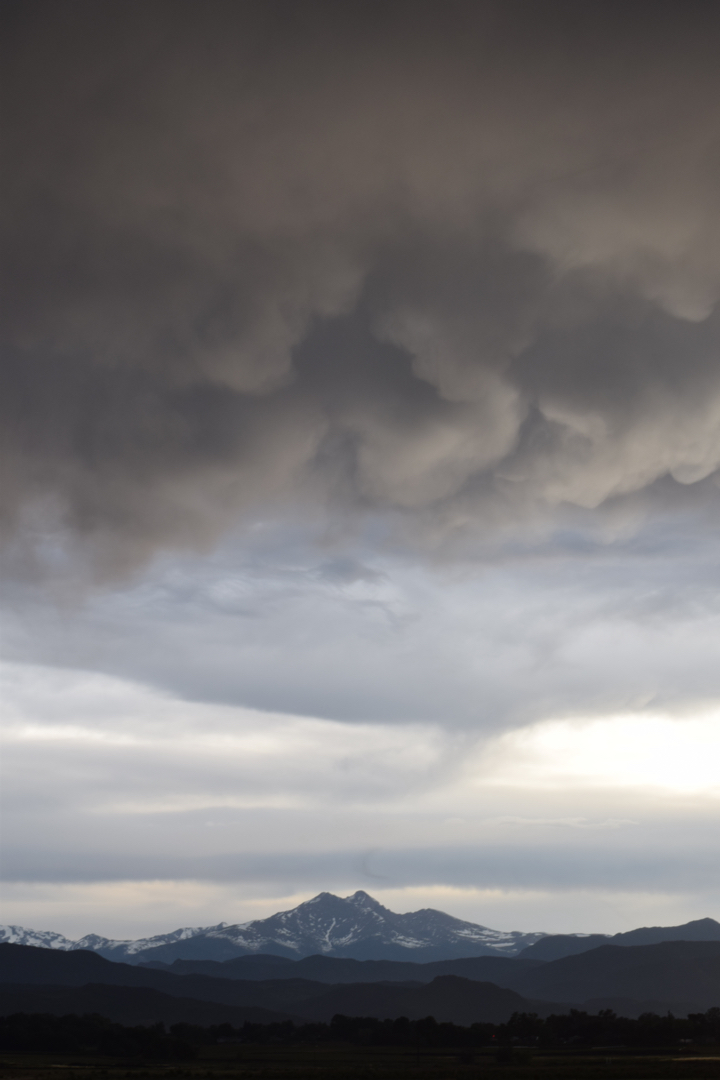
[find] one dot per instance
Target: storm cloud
(447, 267)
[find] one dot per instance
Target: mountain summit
(356, 926)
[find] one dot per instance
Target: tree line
(94, 1034)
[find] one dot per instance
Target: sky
(360, 399)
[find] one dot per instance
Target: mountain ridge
(556, 946)
(356, 927)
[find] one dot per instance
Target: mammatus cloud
(441, 264)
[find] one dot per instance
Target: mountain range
(681, 976)
(355, 927)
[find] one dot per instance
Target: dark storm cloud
(443, 261)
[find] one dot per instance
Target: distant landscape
(345, 962)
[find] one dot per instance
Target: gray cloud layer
(567, 628)
(441, 263)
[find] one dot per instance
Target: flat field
(345, 1062)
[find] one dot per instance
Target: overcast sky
(361, 444)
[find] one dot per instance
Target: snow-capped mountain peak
(356, 926)
(41, 939)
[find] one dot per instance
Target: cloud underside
(446, 265)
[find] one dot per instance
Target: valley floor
(345, 1062)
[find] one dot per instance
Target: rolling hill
(678, 976)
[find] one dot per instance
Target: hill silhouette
(671, 971)
(556, 946)
(502, 970)
(680, 976)
(36, 976)
(446, 998)
(27, 965)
